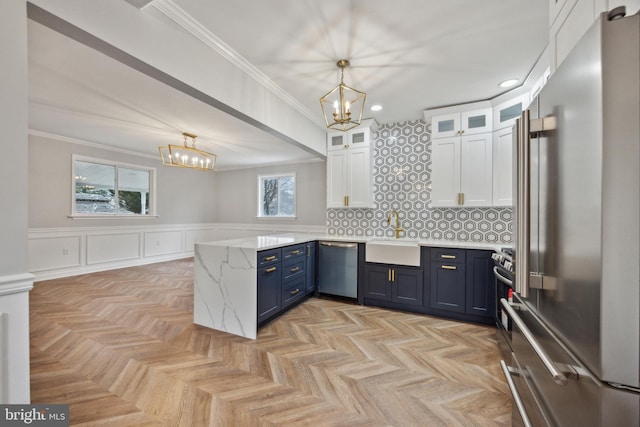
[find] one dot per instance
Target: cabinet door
(445, 126)
(377, 279)
(476, 121)
(480, 287)
(406, 286)
(359, 178)
(503, 168)
(445, 173)
(476, 170)
(337, 178)
(448, 286)
(336, 141)
(506, 113)
(311, 267)
(269, 292)
(359, 137)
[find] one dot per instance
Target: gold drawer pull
(295, 292)
(294, 269)
(270, 270)
(296, 252)
(449, 267)
(270, 258)
(448, 256)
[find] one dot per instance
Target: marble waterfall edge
(225, 286)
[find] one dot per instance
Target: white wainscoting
(70, 251)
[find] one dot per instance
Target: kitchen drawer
(292, 291)
(447, 255)
(269, 257)
(293, 268)
(295, 251)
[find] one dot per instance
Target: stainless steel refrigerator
(576, 309)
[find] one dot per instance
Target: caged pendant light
(343, 106)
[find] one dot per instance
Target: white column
(15, 281)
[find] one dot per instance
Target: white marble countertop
(271, 241)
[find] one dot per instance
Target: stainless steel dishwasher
(338, 272)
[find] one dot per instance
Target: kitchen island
(226, 276)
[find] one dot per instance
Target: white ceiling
(408, 55)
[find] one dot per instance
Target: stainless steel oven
(503, 272)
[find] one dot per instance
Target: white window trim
(152, 188)
(295, 196)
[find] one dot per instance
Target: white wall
(236, 194)
(15, 282)
(183, 196)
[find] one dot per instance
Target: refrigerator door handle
(523, 204)
(558, 377)
(514, 393)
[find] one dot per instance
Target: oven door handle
(501, 278)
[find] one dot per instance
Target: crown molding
(186, 21)
(62, 138)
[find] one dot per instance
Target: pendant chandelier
(342, 107)
(187, 157)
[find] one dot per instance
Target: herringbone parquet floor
(120, 348)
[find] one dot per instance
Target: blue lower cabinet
(269, 292)
(448, 286)
(310, 267)
(282, 279)
(293, 291)
(395, 284)
(461, 282)
(480, 291)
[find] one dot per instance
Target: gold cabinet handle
(294, 292)
(462, 198)
(388, 275)
(308, 250)
(449, 267)
(393, 275)
(296, 252)
(270, 270)
(448, 256)
(294, 269)
(347, 200)
(270, 258)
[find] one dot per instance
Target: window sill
(113, 216)
(277, 217)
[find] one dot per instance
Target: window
(101, 187)
(277, 196)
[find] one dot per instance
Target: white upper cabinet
(349, 168)
(462, 123)
(354, 138)
(505, 114)
(503, 167)
(461, 173)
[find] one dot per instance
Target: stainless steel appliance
(503, 273)
(576, 309)
(338, 269)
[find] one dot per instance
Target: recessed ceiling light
(508, 83)
(376, 107)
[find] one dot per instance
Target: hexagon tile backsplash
(401, 181)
